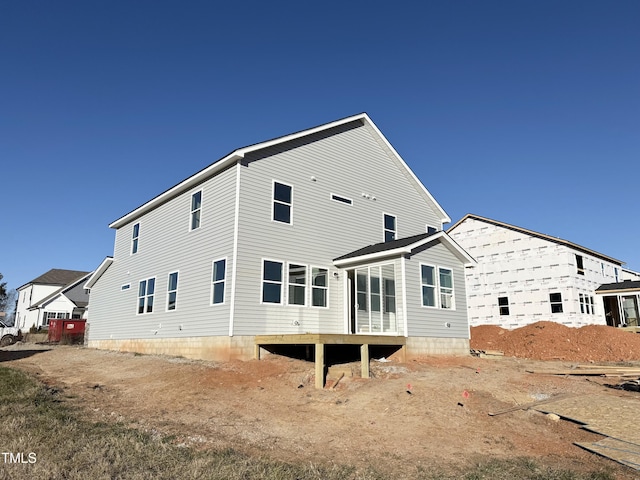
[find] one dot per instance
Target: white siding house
(524, 276)
(324, 231)
(57, 293)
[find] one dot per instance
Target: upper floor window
(580, 264)
(134, 238)
(556, 302)
(172, 291)
(146, 291)
(218, 277)
(282, 202)
(389, 228)
(196, 207)
(615, 272)
(341, 199)
(503, 305)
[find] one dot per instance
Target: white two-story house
(524, 276)
(57, 293)
(320, 236)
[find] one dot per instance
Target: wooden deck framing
(322, 339)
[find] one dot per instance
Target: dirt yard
(428, 412)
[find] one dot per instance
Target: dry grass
(36, 419)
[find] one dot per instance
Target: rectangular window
(446, 288)
(134, 238)
(146, 292)
(428, 281)
(319, 286)
(271, 282)
(218, 275)
(615, 272)
(126, 286)
(582, 303)
(503, 304)
(389, 228)
(593, 307)
(172, 291)
(340, 199)
(580, 264)
(556, 302)
(196, 208)
(282, 202)
(297, 284)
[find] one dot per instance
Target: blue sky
(527, 112)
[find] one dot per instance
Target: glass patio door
(376, 300)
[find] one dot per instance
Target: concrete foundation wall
(422, 346)
(219, 349)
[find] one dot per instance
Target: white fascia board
(106, 263)
(443, 215)
(370, 257)
(616, 292)
(221, 164)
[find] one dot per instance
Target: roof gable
(241, 153)
(62, 290)
(532, 233)
(56, 276)
(402, 246)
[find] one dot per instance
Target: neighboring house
(55, 294)
(321, 236)
(620, 302)
(630, 275)
(524, 276)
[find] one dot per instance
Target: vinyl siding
(429, 321)
(345, 161)
(166, 245)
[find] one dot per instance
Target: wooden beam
(319, 365)
(256, 352)
(364, 360)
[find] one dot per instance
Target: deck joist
(322, 339)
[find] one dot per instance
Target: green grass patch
(36, 420)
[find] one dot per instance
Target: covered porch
(319, 340)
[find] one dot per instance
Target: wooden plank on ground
(589, 371)
(526, 406)
(622, 452)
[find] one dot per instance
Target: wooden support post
(364, 360)
(319, 365)
(256, 352)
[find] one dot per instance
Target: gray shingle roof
(384, 246)
(626, 285)
(57, 276)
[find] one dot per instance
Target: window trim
(341, 199)
(262, 281)
(552, 303)
(167, 309)
(452, 288)
(385, 229)
(305, 285)
(135, 239)
(223, 281)
(326, 289)
(273, 202)
(146, 296)
(435, 285)
(192, 211)
(124, 287)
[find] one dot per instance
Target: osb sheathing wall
(219, 349)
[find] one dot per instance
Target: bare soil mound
(553, 341)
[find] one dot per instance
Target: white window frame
(437, 286)
(146, 296)
(434, 286)
(385, 229)
(326, 288)
(169, 292)
(341, 199)
(274, 201)
(263, 281)
(289, 284)
(135, 239)
(125, 287)
(195, 211)
(218, 282)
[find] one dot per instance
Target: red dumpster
(67, 330)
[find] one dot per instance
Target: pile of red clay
(553, 341)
